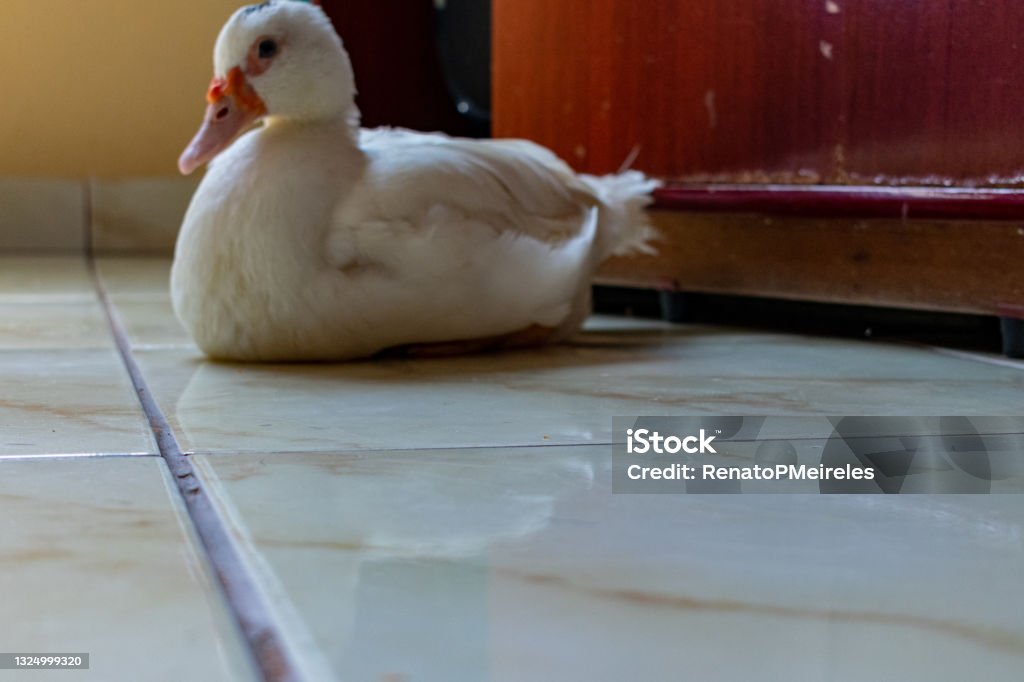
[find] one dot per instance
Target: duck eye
(267, 48)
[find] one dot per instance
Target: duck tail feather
(624, 226)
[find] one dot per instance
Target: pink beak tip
(187, 162)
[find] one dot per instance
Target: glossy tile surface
(134, 277)
(561, 395)
(98, 557)
(521, 564)
(39, 325)
(139, 288)
(51, 279)
(65, 390)
(49, 302)
(69, 402)
(151, 324)
(395, 535)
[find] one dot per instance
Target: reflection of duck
(310, 240)
(374, 541)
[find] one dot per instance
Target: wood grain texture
(803, 91)
(960, 266)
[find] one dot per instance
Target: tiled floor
(452, 519)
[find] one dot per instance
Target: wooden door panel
(801, 91)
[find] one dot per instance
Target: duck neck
(302, 170)
(342, 126)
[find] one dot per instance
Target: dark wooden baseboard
(857, 252)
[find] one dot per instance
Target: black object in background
(464, 49)
(972, 332)
(398, 61)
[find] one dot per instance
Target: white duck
(309, 239)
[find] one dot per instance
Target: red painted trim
(1010, 310)
(833, 201)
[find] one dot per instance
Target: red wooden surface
(398, 75)
(802, 91)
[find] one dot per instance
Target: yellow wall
(103, 87)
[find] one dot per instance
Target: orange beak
(233, 106)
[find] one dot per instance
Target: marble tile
(986, 357)
(135, 277)
(521, 564)
(43, 325)
(99, 557)
(45, 278)
(561, 395)
(69, 402)
(140, 214)
(65, 388)
(138, 289)
(151, 324)
(42, 215)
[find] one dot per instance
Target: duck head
(279, 59)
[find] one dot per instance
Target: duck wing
(509, 185)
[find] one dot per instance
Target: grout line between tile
(77, 455)
(239, 587)
(382, 450)
(533, 449)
